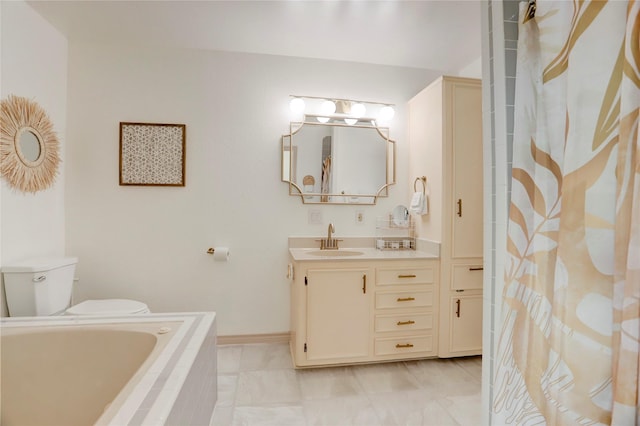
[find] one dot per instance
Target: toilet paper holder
(219, 254)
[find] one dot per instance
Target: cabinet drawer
(403, 322)
(404, 299)
(467, 277)
(403, 345)
(397, 276)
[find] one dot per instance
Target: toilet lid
(107, 307)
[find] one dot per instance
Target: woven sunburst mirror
(29, 147)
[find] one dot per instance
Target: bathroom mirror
(29, 147)
(400, 216)
(338, 163)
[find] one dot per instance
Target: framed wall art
(152, 154)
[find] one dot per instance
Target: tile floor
(257, 385)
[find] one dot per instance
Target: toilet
(41, 287)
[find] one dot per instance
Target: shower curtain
(568, 347)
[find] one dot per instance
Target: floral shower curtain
(568, 351)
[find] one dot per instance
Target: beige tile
(257, 385)
(267, 387)
(323, 383)
(411, 408)
(229, 358)
(445, 375)
(222, 416)
(284, 415)
(347, 411)
(388, 377)
(472, 365)
(265, 357)
(465, 409)
(227, 385)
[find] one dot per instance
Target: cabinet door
(467, 171)
(338, 314)
(466, 323)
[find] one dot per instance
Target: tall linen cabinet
(445, 134)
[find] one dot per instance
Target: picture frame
(152, 154)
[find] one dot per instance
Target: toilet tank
(39, 287)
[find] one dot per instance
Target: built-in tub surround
(115, 370)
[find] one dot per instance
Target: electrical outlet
(359, 216)
(315, 217)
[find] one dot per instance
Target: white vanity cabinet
(445, 133)
(347, 312)
(405, 311)
(338, 308)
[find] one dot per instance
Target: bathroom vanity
(362, 305)
(358, 305)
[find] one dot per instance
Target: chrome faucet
(330, 243)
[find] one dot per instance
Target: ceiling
(438, 35)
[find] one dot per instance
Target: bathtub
(150, 369)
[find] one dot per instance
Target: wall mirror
(334, 162)
(29, 147)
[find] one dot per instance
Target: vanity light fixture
(347, 111)
(327, 108)
(386, 113)
(358, 110)
(296, 105)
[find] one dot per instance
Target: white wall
(472, 70)
(149, 243)
(34, 65)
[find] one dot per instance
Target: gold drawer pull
(406, 345)
(406, 299)
(476, 268)
(407, 276)
(406, 322)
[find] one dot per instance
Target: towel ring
(531, 12)
(422, 179)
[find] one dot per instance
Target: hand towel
(418, 204)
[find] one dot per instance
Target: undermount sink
(335, 253)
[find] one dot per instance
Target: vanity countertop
(356, 253)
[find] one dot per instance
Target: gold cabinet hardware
(476, 268)
(211, 250)
(458, 308)
(407, 276)
(459, 291)
(459, 207)
(406, 322)
(364, 284)
(406, 345)
(406, 299)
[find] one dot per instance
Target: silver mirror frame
(18, 116)
(312, 198)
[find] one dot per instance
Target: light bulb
(358, 110)
(386, 113)
(351, 121)
(296, 105)
(328, 107)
